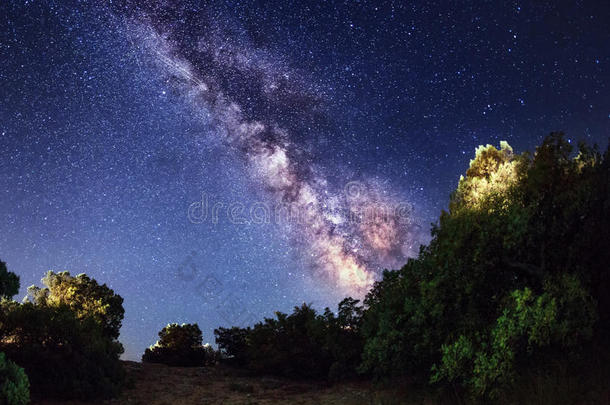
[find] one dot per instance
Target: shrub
(14, 384)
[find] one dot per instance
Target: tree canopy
(84, 296)
(9, 282)
(301, 344)
(517, 268)
(64, 337)
(180, 345)
(514, 278)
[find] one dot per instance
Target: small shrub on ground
(14, 384)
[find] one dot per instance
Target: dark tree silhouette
(303, 344)
(9, 282)
(180, 345)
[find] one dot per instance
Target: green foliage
(303, 344)
(66, 351)
(395, 344)
(563, 316)
(492, 171)
(14, 384)
(9, 282)
(180, 345)
(84, 296)
(515, 275)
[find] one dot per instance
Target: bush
(14, 384)
(562, 316)
(180, 345)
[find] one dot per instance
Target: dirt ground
(155, 384)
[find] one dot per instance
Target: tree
(65, 337)
(344, 340)
(179, 345)
(64, 356)
(185, 335)
(515, 274)
(233, 344)
(84, 296)
(9, 282)
(302, 344)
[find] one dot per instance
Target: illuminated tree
(60, 339)
(516, 271)
(84, 296)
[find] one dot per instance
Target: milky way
(347, 231)
(346, 124)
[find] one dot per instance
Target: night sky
(123, 125)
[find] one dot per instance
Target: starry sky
(214, 162)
